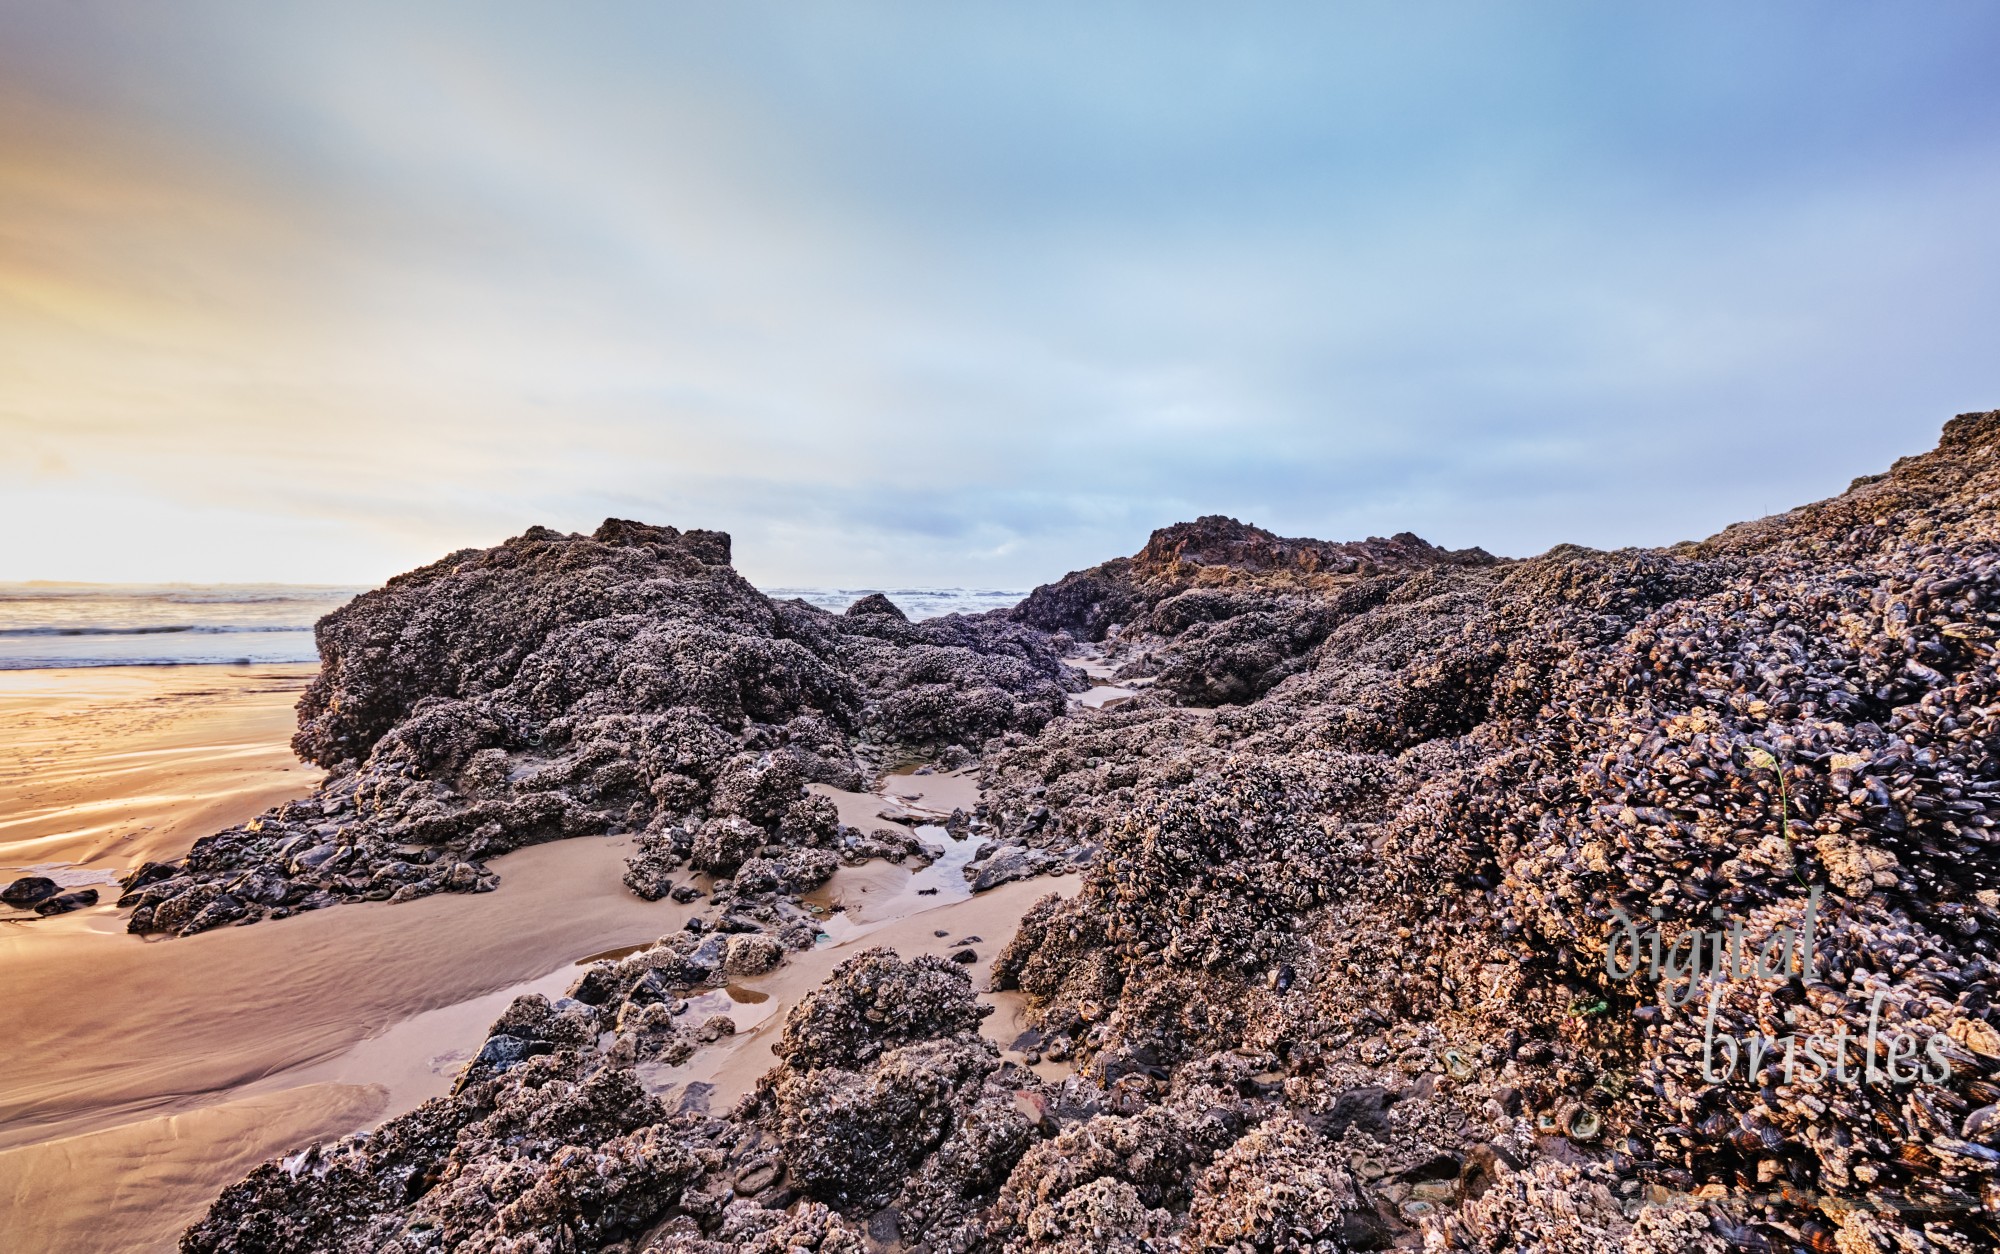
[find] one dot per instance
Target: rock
(876, 603)
(29, 890)
(63, 903)
(1006, 864)
(1281, 1187)
(316, 857)
(798, 871)
(964, 957)
(223, 908)
(753, 954)
(714, 1028)
(596, 987)
(651, 881)
(262, 888)
(566, 685)
(175, 913)
(873, 1002)
(1176, 559)
(1333, 976)
(723, 844)
(502, 1051)
(147, 873)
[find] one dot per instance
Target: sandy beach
(148, 1073)
(105, 767)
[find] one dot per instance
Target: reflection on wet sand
(104, 768)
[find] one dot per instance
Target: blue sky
(971, 293)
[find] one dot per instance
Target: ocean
(914, 602)
(81, 624)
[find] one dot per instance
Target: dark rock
(263, 888)
(567, 685)
(595, 988)
(1006, 864)
(147, 873)
(29, 890)
(876, 603)
(63, 903)
(1436, 780)
(221, 909)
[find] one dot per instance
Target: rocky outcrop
(562, 685)
(1337, 976)
(1411, 854)
(1220, 612)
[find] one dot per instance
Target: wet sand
(905, 796)
(878, 892)
(879, 904)
(144, 1075)
(186, 1059)
(734, 1064)
(105, 767)
(1104, 696)
(1105, 691)
(147, 1074)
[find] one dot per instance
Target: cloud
(979, 294)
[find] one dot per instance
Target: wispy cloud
(979, 293)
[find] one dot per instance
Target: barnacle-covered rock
(852, 1138)
(1279, 1190)
(1336, 977)
(563, 685)
(747, 1228)
(874, 1002)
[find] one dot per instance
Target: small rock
(67, 902)
(596, 986)
(714, 1028)
(29, 890)
(753, 954)
(148, 873)
(502, 1051)
(756, 1178)
(649, 988)
(1006, 864)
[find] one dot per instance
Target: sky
(970, 294)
